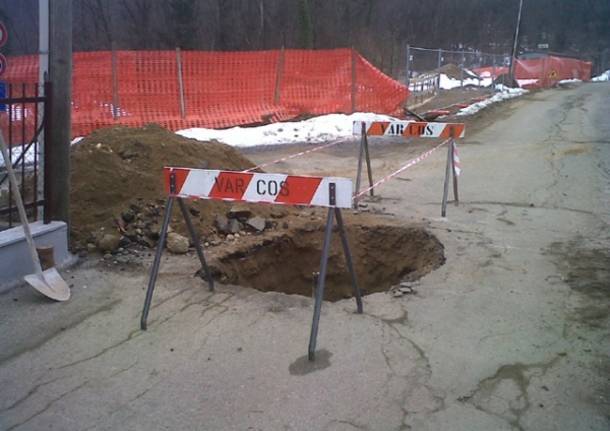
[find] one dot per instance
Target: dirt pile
(451, 70)
(454, 71)
(117, 189)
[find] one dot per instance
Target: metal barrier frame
(333, 212)
(450, 172)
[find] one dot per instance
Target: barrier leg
(446, 184)
(155, 267)
(455, 178)
(348, 259)
(197, 243)
(368, 163)
(319, 294)
(360, 156)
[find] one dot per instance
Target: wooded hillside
(380, 29)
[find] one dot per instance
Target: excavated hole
(383, 256)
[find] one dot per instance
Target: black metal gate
(24, 120)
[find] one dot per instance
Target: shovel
(47, 282)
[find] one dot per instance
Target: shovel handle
(20, 207)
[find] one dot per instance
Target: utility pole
(43, 40)
(43, 73)
(60, 76)
(515, 44)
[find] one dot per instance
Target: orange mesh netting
(549, 70)
(221, 89)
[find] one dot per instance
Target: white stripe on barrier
(257, 189)
(199, 182)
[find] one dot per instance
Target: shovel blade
(50, 284)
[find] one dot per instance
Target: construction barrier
(547, 71)
(408, 129)
(331, 192)
(184, 89)
(543, 72)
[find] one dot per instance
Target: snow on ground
(29, 155)
(604, 77)
(505, 94)
(448, 83)
(16, 152)
(570, 81)
(524, 82)
(319, 129)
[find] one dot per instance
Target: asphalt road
(512, 333)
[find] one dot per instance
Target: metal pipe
(408, 72)
(360, 158)
(320, 287)
(180, 83)
(154, 272)
(368, 163)
(515, 43)
(455, 178)
(446, 183)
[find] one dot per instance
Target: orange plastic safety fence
(218, 89)
(547, 71)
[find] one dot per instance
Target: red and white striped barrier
(419, 129)
(277, 189)
(403, 168)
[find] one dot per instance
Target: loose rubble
(119, 197)
(403, 288)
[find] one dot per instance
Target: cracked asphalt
(512, 333)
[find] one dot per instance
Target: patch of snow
(16, 153)
(314, 130)
(604, 77)
(508, 93)
(448, 83)
(570, 81)
(524, 82)
(29, 155)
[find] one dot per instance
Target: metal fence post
(354, 81)
(438, 69)
(115, 84)
(279, 73)
(462, 70)
(408, 72)
(180, 83)
(493, 74)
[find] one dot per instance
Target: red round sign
(3, 64)
(3, 34)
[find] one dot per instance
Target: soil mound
(116, 182)
(451, 70)
(454, 71)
